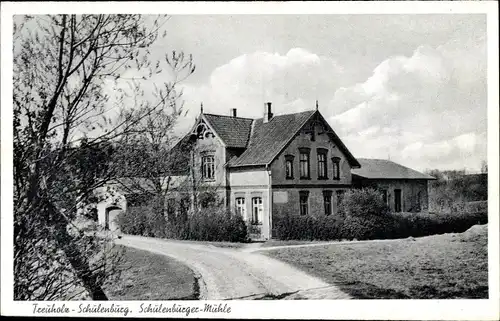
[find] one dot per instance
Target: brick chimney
(233, 112)
(268, 114)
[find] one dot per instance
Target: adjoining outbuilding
(403, 189)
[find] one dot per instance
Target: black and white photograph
(166, 161)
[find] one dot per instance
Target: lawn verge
(149, 276)
(444, 266)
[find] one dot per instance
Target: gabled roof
(385, 169)
(233, 131)
(267, 140)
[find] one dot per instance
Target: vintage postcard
(250, 160)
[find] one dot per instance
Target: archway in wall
(111, 214)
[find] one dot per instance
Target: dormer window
(207, 167)
(289, 166)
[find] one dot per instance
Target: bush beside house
(208, 224)
(363, 215)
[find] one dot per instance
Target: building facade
(293, 163)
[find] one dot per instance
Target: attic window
(322, 164)
(289, 166)
(305, 163)
(336, 167)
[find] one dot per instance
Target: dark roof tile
(234, 131)
(267, 139)
(385, 169)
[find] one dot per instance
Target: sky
(409, 88)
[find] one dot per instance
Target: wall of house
(303, 139)
(286, 200)
(111, 201)
(409, 192)
(211, 146)
(249, 183)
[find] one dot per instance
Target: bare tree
(62, 67)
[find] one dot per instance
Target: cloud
(291, 80)
(421, 107)
(414, 109)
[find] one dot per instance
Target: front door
(397, 200)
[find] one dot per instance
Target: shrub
(209, 224)
(142, 220)
(364, 216)
(422, 224)
(133, 220)
(364, 202)
(216, 224)
(298, 227)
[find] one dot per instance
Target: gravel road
(227, 273)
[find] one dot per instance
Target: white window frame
(208, 167)
(336, 168)
(305, 164)
(257, 208)
(241, 207)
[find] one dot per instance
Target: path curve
(235, 274)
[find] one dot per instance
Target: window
(340, 196)
(397, 200)
(336, 167)
(257, 209)
(289, 166)
(240, 207)
(327, 201)
(384, 196)
(304, 163)
(304, 202)
(322, 172)
(207, 167)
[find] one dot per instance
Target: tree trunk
(78, 261)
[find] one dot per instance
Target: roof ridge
(279, 115)
(252, 126)
(228, 116)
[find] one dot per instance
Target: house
(292, 163)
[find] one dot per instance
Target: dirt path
(236, 274)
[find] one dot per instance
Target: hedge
(363, 216)
(208, 224)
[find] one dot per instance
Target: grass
(272, 243)
(222, 244)
(434, 267)
(148, 276)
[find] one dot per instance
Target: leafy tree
(73, 100)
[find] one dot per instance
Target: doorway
(397, 200)
(111, 214)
